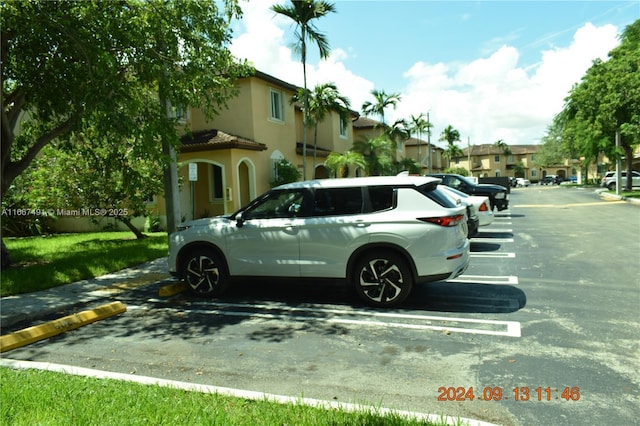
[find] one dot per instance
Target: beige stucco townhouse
(235, 152)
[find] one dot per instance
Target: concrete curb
(605, 194)
(33, 306)
(237, 393)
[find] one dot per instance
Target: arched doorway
(246, 183)
(321, 172)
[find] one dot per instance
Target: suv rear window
(431, 191)
(381, 198)
(337, 201)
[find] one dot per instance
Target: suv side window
(280, 204)
(381, 197)
(337, 201)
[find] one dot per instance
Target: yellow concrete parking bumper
(53, 328)
(172, 289)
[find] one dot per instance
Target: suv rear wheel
(382, 278)
(205, 273)
(611, 186)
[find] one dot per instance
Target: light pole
(428, 144)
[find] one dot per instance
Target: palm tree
(410, 165)
(378, 154)
(452, 152)
(417, 124)
(398, 132)
(339, 164)
(502, 146)
(451, 136)
(323, 99)
(303, 13)
(382, 101)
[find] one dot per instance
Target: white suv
(380, 234)
(609, 179)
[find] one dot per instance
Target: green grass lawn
(48, 261)
(32, 397)
(632, 194)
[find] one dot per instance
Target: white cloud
(264, 43)
(487, 99)
(493, 98)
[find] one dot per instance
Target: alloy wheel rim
(202, 274)
(381, 280)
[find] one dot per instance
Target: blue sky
(491, 69)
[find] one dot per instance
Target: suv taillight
(444, 220)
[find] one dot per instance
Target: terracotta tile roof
(213, 139)
(489, 149)
(423, 143)
(365, 122)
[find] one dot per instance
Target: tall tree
(503, 147)
(417, 125)
(106, 177)
(339, 164)
(398, 132)
(378, 154)
(382, 101)
(324, 98)
(65, 65)
(552, 150)
(452, 152)
(451, 136)
(605, 102)
(303, 13)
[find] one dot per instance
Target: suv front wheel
(205, 273)
(383, 278)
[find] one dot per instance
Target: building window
(277, 105)
(534, 173)
(179, 112)
(216, 189)
(510, 159)
(496, 159)
(498, 174)
(343, 127)
(533, 157)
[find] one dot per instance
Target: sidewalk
(606, 194)
(14, 309)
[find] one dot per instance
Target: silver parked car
(380, 234)
(609, 179)
(480, 203)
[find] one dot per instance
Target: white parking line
(356, 317)
(492, 240)
(496, 230)
(494, 255)
(486, 279)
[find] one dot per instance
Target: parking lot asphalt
(31, 307)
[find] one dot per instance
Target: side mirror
(239, 220)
